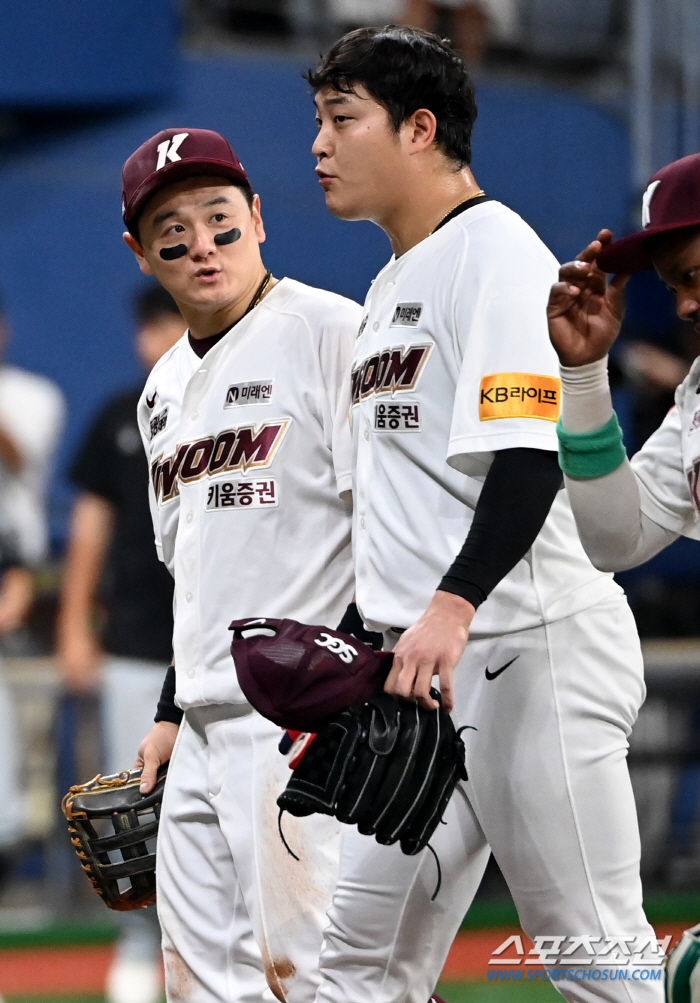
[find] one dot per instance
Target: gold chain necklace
(262, 289)
(468, 199)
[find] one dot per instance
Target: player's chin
(343, 207)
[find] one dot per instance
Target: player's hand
(16, 597)
(156, 749)
(79, 660)
(585, 310)
(431, 647)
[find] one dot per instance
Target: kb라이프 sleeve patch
(519, 395)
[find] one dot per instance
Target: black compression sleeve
(514, 502)
(167, 709)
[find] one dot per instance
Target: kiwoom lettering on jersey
(389, 370)
(406, 315)
(235, 449)
(158, 422)
(259, 392)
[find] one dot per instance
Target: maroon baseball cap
(170, 155)
(671, 202)
(300, 676)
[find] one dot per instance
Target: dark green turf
(675, 907)
(497, 992)
(681, 907)
(69, 933)
(453, 992)
(483, 915)
(57, 999)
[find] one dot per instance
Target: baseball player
(652, 500)
(249, 453)
(466, 553)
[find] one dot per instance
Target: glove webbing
(389, 767)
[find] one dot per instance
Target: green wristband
(591, 454)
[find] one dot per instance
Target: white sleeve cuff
(586, 403)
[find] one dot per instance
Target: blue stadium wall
(67, 278)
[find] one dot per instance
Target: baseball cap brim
(631, 254)
(176, 172)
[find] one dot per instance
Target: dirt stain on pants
(179, 978)
(278, 972)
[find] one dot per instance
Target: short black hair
(153, 301)
(244, 186)
(405, 69)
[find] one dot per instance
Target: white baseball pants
(238, 913)
(548, 793)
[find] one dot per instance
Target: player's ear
(257, 220)
(419, 129)
(133, 243)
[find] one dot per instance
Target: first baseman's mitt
(113, 828)
(389, 766)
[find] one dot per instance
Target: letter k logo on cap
(168, 149)
(646, 201)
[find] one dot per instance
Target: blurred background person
(15, 600)
(471, 22)
(32, 413)
(32, 416)
(114, 628)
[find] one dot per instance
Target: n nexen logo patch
(406, 315)
(259, 392)
(519, 395)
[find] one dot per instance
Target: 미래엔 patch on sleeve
(519, 395)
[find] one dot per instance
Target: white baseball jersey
(668, 464)
(250, 452)
(32, 412)
(453, 362)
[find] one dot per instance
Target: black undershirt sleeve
(514, 502)
(167, 709)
